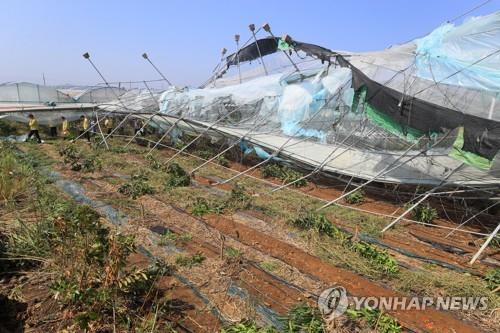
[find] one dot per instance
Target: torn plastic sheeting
(77, 192)
(261, 153)
(14, 138)
(297, 104)
(286, 101)
(268, 316)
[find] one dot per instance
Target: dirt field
(238, 255)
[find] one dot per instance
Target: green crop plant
(304, 318)
(79, 160)
(177, 176)
(179, 144)
(222, 160)
(425, 213)
(311, 220)
(201, 206)
(301, 318)
(171, 238)
(123, 150)
(136, 187)
(271, 170)
(381, 322)
(379, 258)
(237, 199)
(355, 197)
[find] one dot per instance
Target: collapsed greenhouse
(414, 125)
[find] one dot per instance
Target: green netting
(383, 120)
(359, 95)
(391, 126)
(283, 46)
(468, 157)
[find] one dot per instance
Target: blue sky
(184, 38)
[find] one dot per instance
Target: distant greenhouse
(30, 93)
(99, 94)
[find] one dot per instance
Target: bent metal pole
(240, 139)
(425, 196)
(252, 29)
(86, 55)
(204, 132)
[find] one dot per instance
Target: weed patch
(492, 278)
(269, 266)
(238, 199)
(233, 253)
(190, 261)
(16, 178)
(247, 326)
(171, 238)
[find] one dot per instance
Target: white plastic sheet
(467, 55)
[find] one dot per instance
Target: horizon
(117, 33)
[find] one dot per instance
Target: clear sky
(184, 38)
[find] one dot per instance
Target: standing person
(108, 124)
(138, 126)
(93, 126)
(84, 127)
(53, 129)
(64, 127)
(33, 126)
